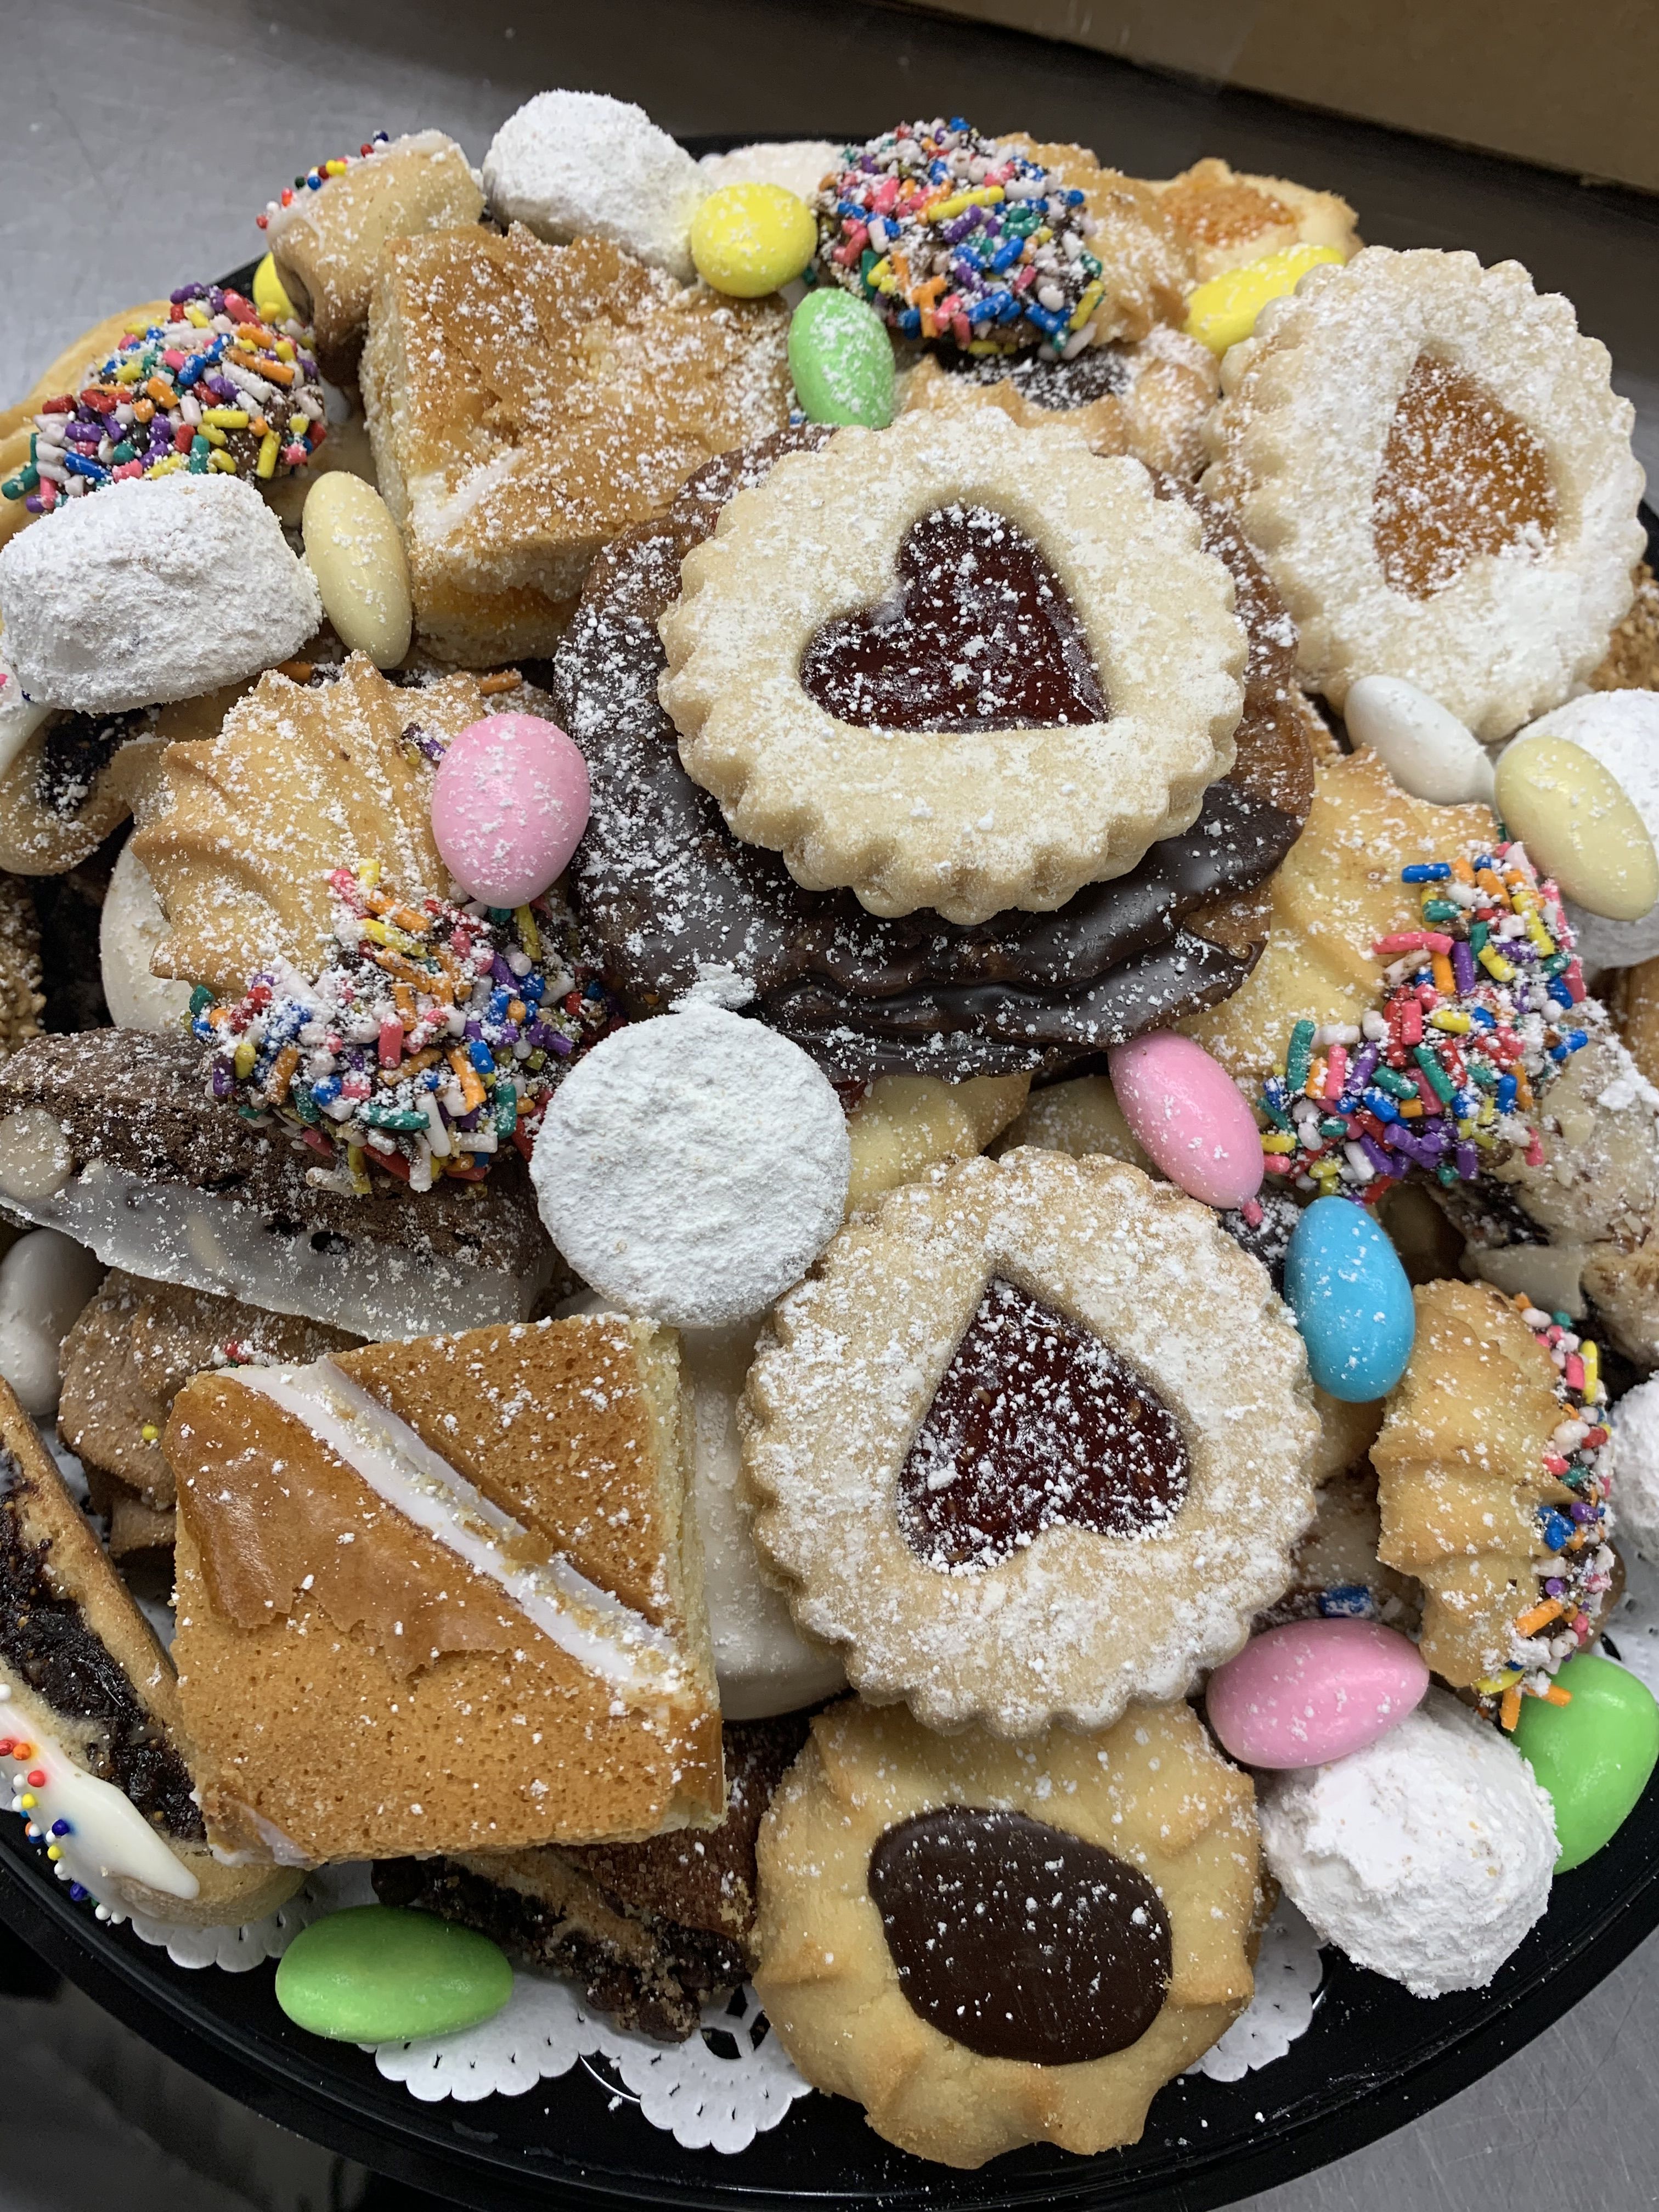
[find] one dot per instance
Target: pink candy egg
(509, 804)
(1189, 1116)
(1314, 1691)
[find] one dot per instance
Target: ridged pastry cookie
(1440, 478)
(1092, 697)
(1032, 1442)
(989, 1944)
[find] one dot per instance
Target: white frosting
(107, 1837)
(799, 164)
(693, 1167)
(132, 927)
(44, 1280)
(1620, 729)
(171, 1232)
(20, 717)
(1426, 1856)
(152, 589)
(602, 1634)
(579, 164)
(1636, 1468)
(1426, 750)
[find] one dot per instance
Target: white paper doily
(330, 1889)
(1633, 1625)
(1288, 1973)
(718, 2090)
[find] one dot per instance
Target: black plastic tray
(1374, 2058)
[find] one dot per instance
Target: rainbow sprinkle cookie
(213, 387)
(432, 1039)
(950, 235)
(318, 174)
(1474, 1023)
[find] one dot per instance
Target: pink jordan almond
(1189, 1117)
(1314, 1691)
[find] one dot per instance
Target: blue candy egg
(1344, 1283)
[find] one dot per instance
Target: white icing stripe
(105, 1837)
(591, 1624)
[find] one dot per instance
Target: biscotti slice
(90, 1735)
(446, 1596)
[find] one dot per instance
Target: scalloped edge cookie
(1298, 438)
(1075, 1624)
(968, 823)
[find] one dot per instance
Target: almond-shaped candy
(1578, 824)
(1314, 1691)
(1189, 1116)
(1424, 746)
(509, 804)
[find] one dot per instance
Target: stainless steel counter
(140, 136)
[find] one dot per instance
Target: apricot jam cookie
(1225, 218)
(1440, 478)
(1083, 687)
(1032, 1441)
(988, 1945)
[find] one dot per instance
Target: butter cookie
(1225, 218)
(1032, 1441)
(906, 1962)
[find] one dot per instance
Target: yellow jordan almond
(1223, 312)
(268, 297)
(1579, 825)
(356, 556)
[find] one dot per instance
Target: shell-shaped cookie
(1461, 1473)
(301, 780)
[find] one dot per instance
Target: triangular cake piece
(445, 1595)
(91, 1739)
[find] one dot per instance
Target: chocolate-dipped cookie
(668, 896)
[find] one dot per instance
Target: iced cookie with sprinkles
(527, 402)
(1440, 474)
(446, 1596)
(1031, 1485)
(987, 1944)
(93, 1748)
(327, 229)
(1493, 1478)
(1104, 701)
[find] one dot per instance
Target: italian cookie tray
(829, 1012)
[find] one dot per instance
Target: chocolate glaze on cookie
(668, 896)
(1035, 1425)
(1018, 1939)
(1097, 372)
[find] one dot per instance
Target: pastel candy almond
(357, 557)
(1344, 1283)
(1314, 1691)
(1579, 825)
(841, 360)
(1424, 746)
(1593, 1756)
(1223, 312)
(746, 239)
(1189, 1116)
(509, 804)
(378, 1974)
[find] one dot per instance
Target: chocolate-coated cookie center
(1018, 1939)
(977, 633)
(1097, 372)
(1036, 1423)
(1461, 476)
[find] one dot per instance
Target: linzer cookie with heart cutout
(990, 1944)
(1033, 1441)
(992, 744)
(1439, 473)
(669, 896)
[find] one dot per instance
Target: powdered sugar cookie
(987, 1945)
(581, 165)
(692, 1168)
(1032, 1441)
(1082, 687)
(799, 164)
(1439, 475)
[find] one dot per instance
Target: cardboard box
(1572, 87)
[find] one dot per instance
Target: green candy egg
(378, 1974)
(841, 360)
(1593, 1756)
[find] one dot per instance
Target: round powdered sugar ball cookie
(692, 1168)
(156, 588)
(581, 165)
